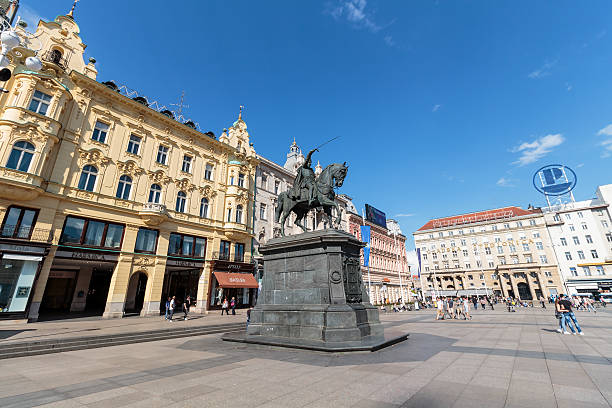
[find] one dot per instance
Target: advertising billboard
(376, 216)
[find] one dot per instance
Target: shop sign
(22, 248)
(184, 263)
(232, 266)
(87, 256)
(554, 180)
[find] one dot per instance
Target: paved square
(498, 359)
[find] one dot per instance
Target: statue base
(313, 297)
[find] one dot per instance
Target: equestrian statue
(310, 192)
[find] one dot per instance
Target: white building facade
(581, 234)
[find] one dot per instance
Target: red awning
(386, 280)
(236, 280)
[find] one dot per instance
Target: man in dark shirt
(568, 316)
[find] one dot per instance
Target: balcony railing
(56, 58)
(26, 233)
(153, 207)
(224, 256)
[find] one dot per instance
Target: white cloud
(568, 86)
(579, 165)
(534, 151)
(436, 108)
(389, 40)
(607, 142)
(404, 215)
(505, 182)
(543, 71)
(354, 12)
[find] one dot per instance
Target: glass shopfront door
(17, 273)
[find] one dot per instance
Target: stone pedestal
(313, 297)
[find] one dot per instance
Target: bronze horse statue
(332, 176)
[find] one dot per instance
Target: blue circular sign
(554, 180)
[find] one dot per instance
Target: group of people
(171, 306)
(225, 306)
(454, 308)
(566, 316)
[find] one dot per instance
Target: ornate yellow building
(109, 206)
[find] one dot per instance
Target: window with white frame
(186, 167)
(589, 239)
(528, 259)
(608, 237)
(465, 252)
(573, 271)
(500, 249)
(276, 186)
(568, 216)
(600, 270)
(536, 235)
(563, 242)
(571, 228)
(543, 259)
(580, 215)
(604, 223)
(594, 254)
(501, 260)
(548, 274)
(576, 240)
(525, 247)
(88, 178)
(162, 154)
(568, 256)
(124, 187)
(586, 270)
(463, 243)
(584, 226)
(40, 103)
(154, 193)
(581, 255)
(134, 145)
(240, 180)
(181, 201)
(539, 245)
(100, 131)
(21, 156)
(512, 248)
(239, 214)
(532, 222)
(204, 207)
(262, 212)
(208, 172)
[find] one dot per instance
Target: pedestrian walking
(186, 304)
(225, 307)
(569, 317)
(466, 310)
(450, 308)
(167, 308)
(542, 302)
(483, 302)
(591, 305)
(475, 302)
(440, 309)
(172, 306)
(248, 317)
(233, 305)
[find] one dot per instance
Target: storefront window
(187, 245)
(95, 230)
(224, 251)
(17, 274)
(73, 230)
(114, 233)
(18, 222)
(239, 253)
(96, 233)
(200, 248)
(146, 240)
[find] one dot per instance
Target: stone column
(121, 276)
(531, 288)
(41, 283)
(203, 288)
(155, 278)
(543, 288)
(514, 286)
(502, 284)
(82, 285)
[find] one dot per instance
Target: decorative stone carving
(207, 191)
(184, 185)
(144, 261)
(130, 167)
(159, 177)
(93, 156)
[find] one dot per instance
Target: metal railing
(26, 233)
(55, 58)
(154, 207)
(224, 256)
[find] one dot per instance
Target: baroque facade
(505, 251)
(108, 205)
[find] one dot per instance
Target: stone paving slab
(498, 359)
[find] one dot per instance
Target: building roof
(471, 218)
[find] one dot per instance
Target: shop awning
(236, 280)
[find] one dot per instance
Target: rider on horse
(304, 180)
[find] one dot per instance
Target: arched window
(88, 178)
(21, 156)
(239, 214)
(204, 208)
(56, 56)
(154, 193)
(124, 187)
(181, 199)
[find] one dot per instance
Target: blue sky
(443, 106)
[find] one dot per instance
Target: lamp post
(9, 40)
